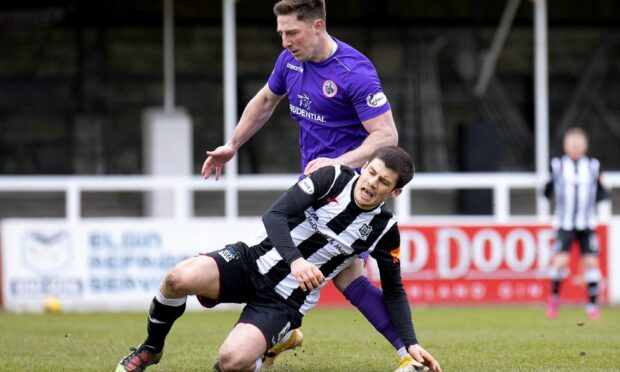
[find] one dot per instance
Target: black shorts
(240, 283)
(588, 241)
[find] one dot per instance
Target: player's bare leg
(242, 349)
(557, 272)
(197, 275)
(592, 277)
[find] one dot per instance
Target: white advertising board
(117, 264)
(114, 264)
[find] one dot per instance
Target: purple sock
(368, 299)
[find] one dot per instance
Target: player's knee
(230, 360)
(591, 261)
(348, 275)
(175, 282)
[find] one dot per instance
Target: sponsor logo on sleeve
(329, 88)
(306, 186)
(376, 99)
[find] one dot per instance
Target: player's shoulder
(352, 59)
(594, 161)
(331, 177)
(337, 172)
(345, 169)
(285, 54)
(286, 61)
(387, 212)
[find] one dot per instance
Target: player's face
(375, 185)
(300, 37)
(575, 146)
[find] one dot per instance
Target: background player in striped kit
(343, 114)
(575, 182)
(314, 230)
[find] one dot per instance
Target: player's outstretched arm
(421, 355)
(255, 115)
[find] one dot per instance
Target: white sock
(402, 352)
(169, 301)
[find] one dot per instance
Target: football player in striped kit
(576, 184)
(313, 231)
(336, 97)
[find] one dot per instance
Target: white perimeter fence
(183, 187)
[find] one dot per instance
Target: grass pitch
(462, 339)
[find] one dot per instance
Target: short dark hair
(306, 10)
(398, 160)
(576, 130)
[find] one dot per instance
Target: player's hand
(421, 355)
(308, 275)
(216, 160)
(318, 163)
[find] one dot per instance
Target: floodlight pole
(230, 103)
(490, 58)
(541, 102)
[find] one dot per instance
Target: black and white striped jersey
(575, 185)
(324, 226)
(318, 219)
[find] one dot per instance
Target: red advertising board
(482, 264)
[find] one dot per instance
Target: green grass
(462, 339)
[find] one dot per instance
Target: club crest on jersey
(329, 88)
(376, 99)
(364, 231)
(306, 185)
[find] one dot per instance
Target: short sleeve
(367, 93)
(277, 79)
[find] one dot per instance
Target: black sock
(593, 292)
(555, 287)
(161, 318)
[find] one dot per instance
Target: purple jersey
(330, 100)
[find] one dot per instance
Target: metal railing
(182, 188)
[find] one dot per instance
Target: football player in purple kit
(343, 114)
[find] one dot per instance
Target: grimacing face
(300, 37)
(575, 145)
(375, 185)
